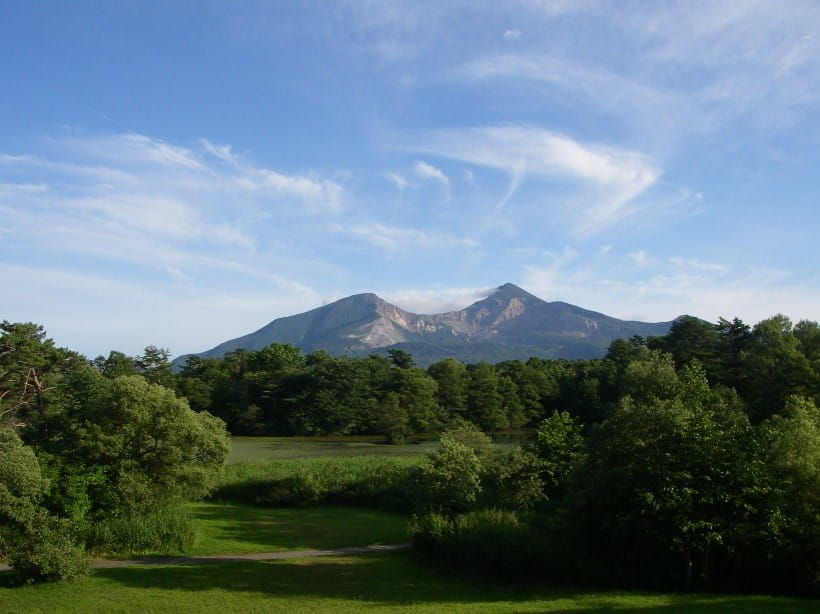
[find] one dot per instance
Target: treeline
(280, 391)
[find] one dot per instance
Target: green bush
(450, 482)
(36, 545)
(44, 550)
(512, 479)
(294, 490)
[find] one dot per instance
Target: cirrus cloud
(610, 178)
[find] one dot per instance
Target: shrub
(36, 545)
(511, 479)
(44, 550)
(450, 482)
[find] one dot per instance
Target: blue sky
(181, 173)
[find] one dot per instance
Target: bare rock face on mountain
(510, 323)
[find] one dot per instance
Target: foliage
(789, 538)
(512, 479)
(450, 482)
(664, 480)
(683, 460)
(22, 485)
(451, 387)
(140, 446)
(485, 406)
(44, 549)
(278, 391)
(37, 546)
(468, 472)
(558, 443)
(90, 448)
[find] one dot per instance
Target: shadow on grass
(396, 579)
(235, 528)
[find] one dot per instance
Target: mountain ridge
(509, 323)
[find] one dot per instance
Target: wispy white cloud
(427, 172)
(435, 299)
(182, 224)
(749, 62)
(612, 178)
(695, 264)
(121, 189)
(398, 180)
(512, 34)
(655, 112)
(640, 258)
(680, 67)
(392, 238)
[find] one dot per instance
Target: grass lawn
(381, 582)
(233, 528)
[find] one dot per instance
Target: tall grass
(499, 544)
(369, 481)
(167, 529)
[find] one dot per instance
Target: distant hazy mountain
(508, 324)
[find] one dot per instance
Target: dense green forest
(279, 391)
(688, 460)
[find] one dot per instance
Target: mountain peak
(509, 290)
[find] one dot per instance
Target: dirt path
(228, 558)
(260, 556)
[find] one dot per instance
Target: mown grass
(234, 528)
(380, 582)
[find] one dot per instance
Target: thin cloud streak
(612, 178)
(396, 239)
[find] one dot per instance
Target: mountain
(510, 323)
